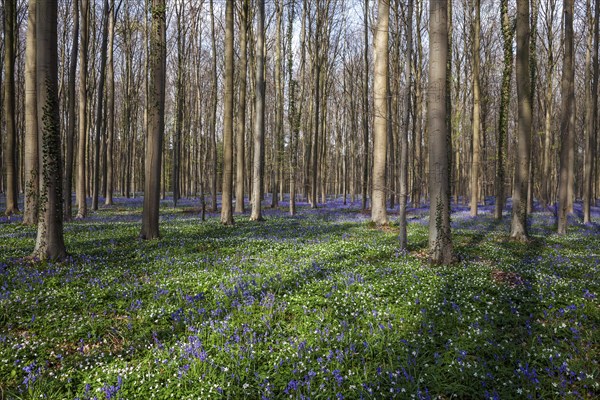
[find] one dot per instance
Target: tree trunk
(547, 188)
(180, 104)
(567, 120)
(2, 186)
(403, 237)
(440, 240)
(417, 178)
(365, 119)
(110, 76)
(519, 207)
(128, 85)
(70, 134)
(99, 106)
(32, 183)
(241, 121)
(476, 110)
(227, 191)
(533, 77)
(449, 111)
(508, 36)
(378, 198)
(252, 109)
(82, 140)
(10, 153)
(259, 125)
(156, 121)
(316, 110)
(591, 88)
(213, 122)
(391, 139)
(321, 164)
(293, 115)
(595, 79)
(278, 107)
(202, 163)
(49, 243)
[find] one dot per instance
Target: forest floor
(321, 305)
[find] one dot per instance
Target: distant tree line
(390, 103)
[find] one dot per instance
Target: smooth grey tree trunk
(99, 106)
(518, 229)
(567, 120)
(180, 103)
(213, 122)
(595, 78)
(380, 109)
(227, 192)
(591, 113)
(547, 189)
(156, 121)
(295, 112)
(32, 183)
(365, 105)
(449, 125)
(316, 123)
(49, 243)
(259, 124)
(278, 107)
(440, 240)
(403, 236)
(417, 178)
(535, 8)
(83, 128)
(10, 144)
(110, 104)
(507, 36)
(241, 121)
(475, 164)
(71, 111)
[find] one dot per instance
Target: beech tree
(546, 184)
(567, 121)
(591, 109)
(475, 164)
(99, 105)
(70, 133)
(440, 240)
(156, 120)
(418, 181)
(278, 150)
(259, 124)
(533, 93)
(380, 132)
(227, 193)
(240, 172)
(403, 236)
(518, 228)
(295, 112)
(316, 105)
(213, 108)
(365, 105)
(49, 243)
(31, 160)
(179, 102)
(83, 117)
(110, 105)
(505, 93)
(10, 152)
